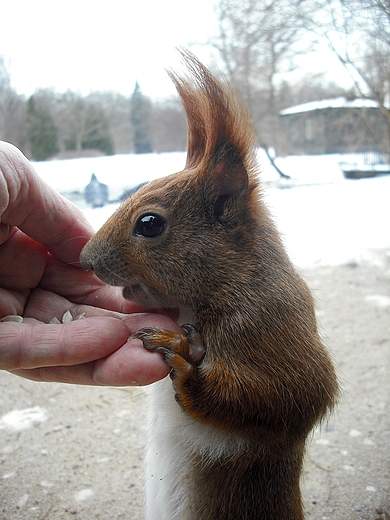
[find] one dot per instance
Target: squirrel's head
(181, 240)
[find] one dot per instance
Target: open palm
(41, 236)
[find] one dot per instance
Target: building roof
(340, 102)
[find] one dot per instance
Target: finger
(45, 305)
(12, 302)
(130, 365)
(56, 223)
(23, 261)
(76, 375)
(41, 212)
(26, 345)
(5, 230)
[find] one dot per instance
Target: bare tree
(168, 126)
(257, 41)
(12, 111)
(5, 91)
(116, 106)
(82, 124)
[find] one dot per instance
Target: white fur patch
(173, 438)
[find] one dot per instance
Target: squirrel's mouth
(141, 294)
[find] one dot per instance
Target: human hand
(41, 236)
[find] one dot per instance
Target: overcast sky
(87, 45)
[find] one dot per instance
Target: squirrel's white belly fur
(173, 440)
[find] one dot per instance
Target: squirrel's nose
(85, 261)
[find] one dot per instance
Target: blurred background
(82, 79)
(84, 94)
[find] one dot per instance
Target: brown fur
(256, 367)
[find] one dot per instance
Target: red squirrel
(249, 374)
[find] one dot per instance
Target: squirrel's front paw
(172, 345)
(182, 353)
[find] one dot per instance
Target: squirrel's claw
(168, 343)
(181, 353)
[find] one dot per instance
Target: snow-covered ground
(324, 218)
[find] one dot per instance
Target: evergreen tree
(41, 131)
(140, 110)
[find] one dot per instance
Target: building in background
(335, 126)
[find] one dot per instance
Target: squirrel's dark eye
(149, 226)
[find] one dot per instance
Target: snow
(324, 218)
(120, 171)
(334, 223)
(23, 419)
(340, 102)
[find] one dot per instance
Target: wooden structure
(334, 126)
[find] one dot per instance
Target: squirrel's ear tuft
(228, 172)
